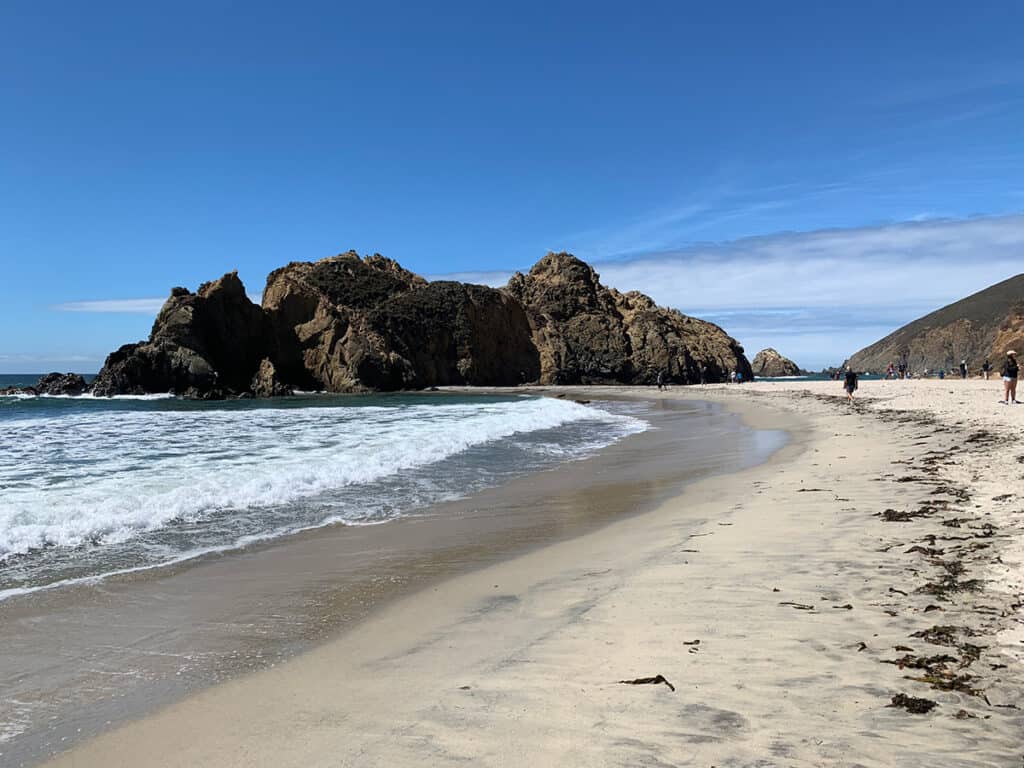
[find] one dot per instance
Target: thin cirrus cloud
(918, 262)
(121, 306)
(116, 306)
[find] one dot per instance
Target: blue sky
(809, 176)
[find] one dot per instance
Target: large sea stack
(981, 327)
(351, 324)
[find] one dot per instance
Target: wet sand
(78, 661)
(855, 601)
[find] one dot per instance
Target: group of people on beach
(902, 371)
(899, 371)
(1009, 372)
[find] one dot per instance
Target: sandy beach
(878, 555)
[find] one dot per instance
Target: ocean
(94, 487)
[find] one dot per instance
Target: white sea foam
(91, 396)
(105, 477)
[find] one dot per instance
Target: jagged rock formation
(589, 334)
(51, 384)
(769, 363)
(350, 324)
(266, 383)
(203, 345)
(982, 326)
(61, 384)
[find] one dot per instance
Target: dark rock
(769, 363)
(8, 391)
(204, 345)
(589, 334)
(61, 384)
(350, 324)
(265, 382)
(51, 384)
(447, 333)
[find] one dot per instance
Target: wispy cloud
(960, 85)
(919, 262)
(26, 358)
(721, 205)
(123, 306)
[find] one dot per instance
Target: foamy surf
(90, 492)
(89, 396)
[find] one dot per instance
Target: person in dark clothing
(850, 384)
(963, 369)
(986, 368)
(1009, 374)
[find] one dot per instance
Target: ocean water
(93, 487)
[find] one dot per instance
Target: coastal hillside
(978, 328)
(352, 324)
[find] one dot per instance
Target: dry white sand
(794, 586)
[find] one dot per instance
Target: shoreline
(142, 641)
(777, 571)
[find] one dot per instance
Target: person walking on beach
(703, 375)
(661, 381)
(986, 368)
(1009, 374)
(963, 369)
(850, 384)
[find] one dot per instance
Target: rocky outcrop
(316, 317)
(51, 384)
(768, 363)
(61, 384)
(348, 324)
(589, 334)
(205, 344)
(351, 324)
(981, 327)
(266, 383)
